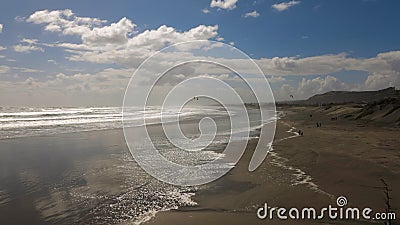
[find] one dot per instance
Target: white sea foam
(20, 122)
(300, 177)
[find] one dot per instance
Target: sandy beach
(90, 177)
(341, 158)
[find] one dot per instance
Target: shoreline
(319, 157)
(228, 208)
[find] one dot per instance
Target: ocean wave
(21, 122)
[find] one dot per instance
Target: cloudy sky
(84, 53)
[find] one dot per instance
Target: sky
(83, 53)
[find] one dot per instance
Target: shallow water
(57, 174)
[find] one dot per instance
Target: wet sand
(42, 176)
(341, 158)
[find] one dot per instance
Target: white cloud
(4, 69)
(105, 87)
(309, 87)
(19, 19)
(27, 70)
(323, 64)
(383, 71)
(205, 11)
(139, 47)
(29, 41)
(1, 28)
(64, 21)
(27, 48)
(383, 80)
(112, 43)
(116, 33)
(28, 45)
(115, 43)
(119, 43)
(2, 48)
(253, 14)
(275, 79)
(224, 4)
(284, 5)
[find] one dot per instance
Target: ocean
(23, 121)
